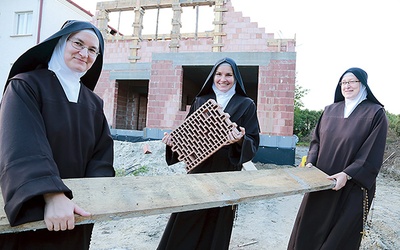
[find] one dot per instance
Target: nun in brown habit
(211, 228)
(348, 144)
(53, 127)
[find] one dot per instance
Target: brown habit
(334, 219)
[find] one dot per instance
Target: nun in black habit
(52, 127)
(211, 228)
(348, 144)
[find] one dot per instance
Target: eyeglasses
(351, 83)
(92, 52)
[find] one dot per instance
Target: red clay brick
(202, 134)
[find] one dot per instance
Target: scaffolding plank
(126, 197)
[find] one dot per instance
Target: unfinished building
(149, 80)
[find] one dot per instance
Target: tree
(299, 92)
(304, 119)
(394, 122)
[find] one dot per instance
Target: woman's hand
(309, 165)
(340, 178)
(59, 212)
(167, 139)
(236, 135)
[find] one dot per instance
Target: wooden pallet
(125, 197)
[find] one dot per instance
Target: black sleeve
(27, 168)
(101, 163)
(245, 152)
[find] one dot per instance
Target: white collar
(224, 97)
(69, 79)
(351, 104)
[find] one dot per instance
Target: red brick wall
(142, 112)
(276, 79)
(117, 51)
(131, 108)
(244, 35)
(165, 90)
(276, 98)
(107, 90)
(122, 114)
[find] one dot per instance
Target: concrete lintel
(127, 66)
(130, 75)
(128, 71)
(209, 58)
(220, 9)
(133, 57)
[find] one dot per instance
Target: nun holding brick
(211, 228)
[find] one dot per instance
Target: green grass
(129, 172)
(303, 144)
(141, 170)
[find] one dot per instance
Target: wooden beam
(125, 197)
(129, 5)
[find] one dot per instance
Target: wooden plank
(125, 197)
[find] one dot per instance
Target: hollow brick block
(201, 134)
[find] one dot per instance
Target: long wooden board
(125, 197)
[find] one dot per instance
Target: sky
(332, 36)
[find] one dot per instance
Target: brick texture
(276, 77)
(201, 134)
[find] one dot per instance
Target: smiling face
(224, 78)
(78, 59)
(352, 87)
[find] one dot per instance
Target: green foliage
(132, 171)
(140, 171)
(299, 92)
(120, 172)
(305, 121)
(394, 122)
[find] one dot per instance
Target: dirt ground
(260, 225)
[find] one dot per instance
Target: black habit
(211, 228)
(44, 139)
(355, 145)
